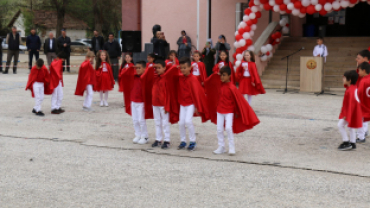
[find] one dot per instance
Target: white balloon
(328, 7)
(257, 2)
(344, 4)
(264, 58)
(305, 3)
(236, 33)
(276, 8)
(245, 18)
(261, 6)
(254, 27)
(239, 57)
(363, 0)
(242, 24)
(336, 5)
(285, 30)
(270, 55)
(251, 48)
(242, 42)
(318, 7)
(237, 63)
(277, 40)
(255, 9)
(272, 2)
(252, 15)
(296, 12)
(314, 2)
(246, 35)
(286, 2)
(236, 44)
(290, 6)
(251, 33)
(264, 49)
(269, 47)
(352, 5)
(301, 15)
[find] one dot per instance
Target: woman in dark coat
(208, 54)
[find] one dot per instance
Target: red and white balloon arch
(298, 8)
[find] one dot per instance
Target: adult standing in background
(64, 44)
(50, 48)
(97, 42)
(160, 44)
(1, 54)
(13, 40)
(33, 44)
(114, 51)
(209, 56)
(222, 45)
(184, 43)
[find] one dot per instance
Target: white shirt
(321, 50)
(246, 70)
(195, 69)
(150, 65)
(51, 44)
(105, 68)
(220, 65)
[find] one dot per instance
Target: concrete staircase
(342, 54)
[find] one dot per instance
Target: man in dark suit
(50, 48)
(33, 46)
(64, 44)
(97, 42)
(114, 51)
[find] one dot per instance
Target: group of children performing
(169, 91)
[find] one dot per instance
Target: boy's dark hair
(62, 55)
(365, 66)
(142, 63)
(185, 60)
(161, 62)
(152, 55)
(364, 53)
(351, 75)
(320, 38)
(226, 70)
(172, 52)
(40, 63)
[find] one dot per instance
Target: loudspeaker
(131, 41)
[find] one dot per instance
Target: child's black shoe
(34, 111)
(40, 113)
(156, 143)
(345, 146)
(165, 145)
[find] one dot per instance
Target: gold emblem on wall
(311, 64)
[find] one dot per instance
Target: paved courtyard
(80, 159)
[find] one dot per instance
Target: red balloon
(254, 21)
(267, 7)
(283, 7)
(293, 1)
(258, 14)
(247, 11)
(264, 1)
(331, 1)
(238, 37)
(249, 42)
(311, 9)
(273, 36)
(353, 1)
(287, 25)
(244, 47)
(323, 12)
(303, 10)
(251, 3)
(279, 2)
(247, 29)
(322, 2)
(288, 11)
(297, 4)
(239, 50)
(241, 31)
(234, 56)
(267, 53)
(368, 48)
(278, 34)
(249, 22)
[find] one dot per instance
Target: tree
(60, 6)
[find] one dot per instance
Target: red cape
(86, 76)
(202, 72)
(120, 83)
(56, 74)
(216, 70)
(364, 97)
(172, 82)
(246, 118)
(98, 74)
(32, 79)
(147, 85)
(351, 108)
(255, 78)
(168, 65)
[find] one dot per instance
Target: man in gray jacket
(13, 40)
(50, 48)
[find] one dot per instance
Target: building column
(131, 14)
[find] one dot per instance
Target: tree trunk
(60, 21)
(98, 17)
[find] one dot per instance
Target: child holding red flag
(223, 60)
(104, 77)
(192, 101)
(228, 109)
(364, 97)
(172, 59)
(56, 83)
(38, 82)
(86, 80)
(362, 56)
(248, 78)
(350, 115)
(199, 69)
(138, 84)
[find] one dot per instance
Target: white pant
(342, 129)
(138, 118)
(362, 131)
(161, 123)
(105, 93)
(57, 97)
(248, 98)
(221, 118)
(186, 119)
(38, 91)
(89, 96)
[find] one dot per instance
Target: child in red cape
(38, 82)
(223, 60)
(104, 77)
(86, 80)
(138, 86)
(192, 101)
(350, 115)
(362, 56)
(172, 59)
(248, 78)
(228, 109)
(150, 58)
(56, 83)
(161, 104)
(364, 97)
(198, 68)
(127, 63)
